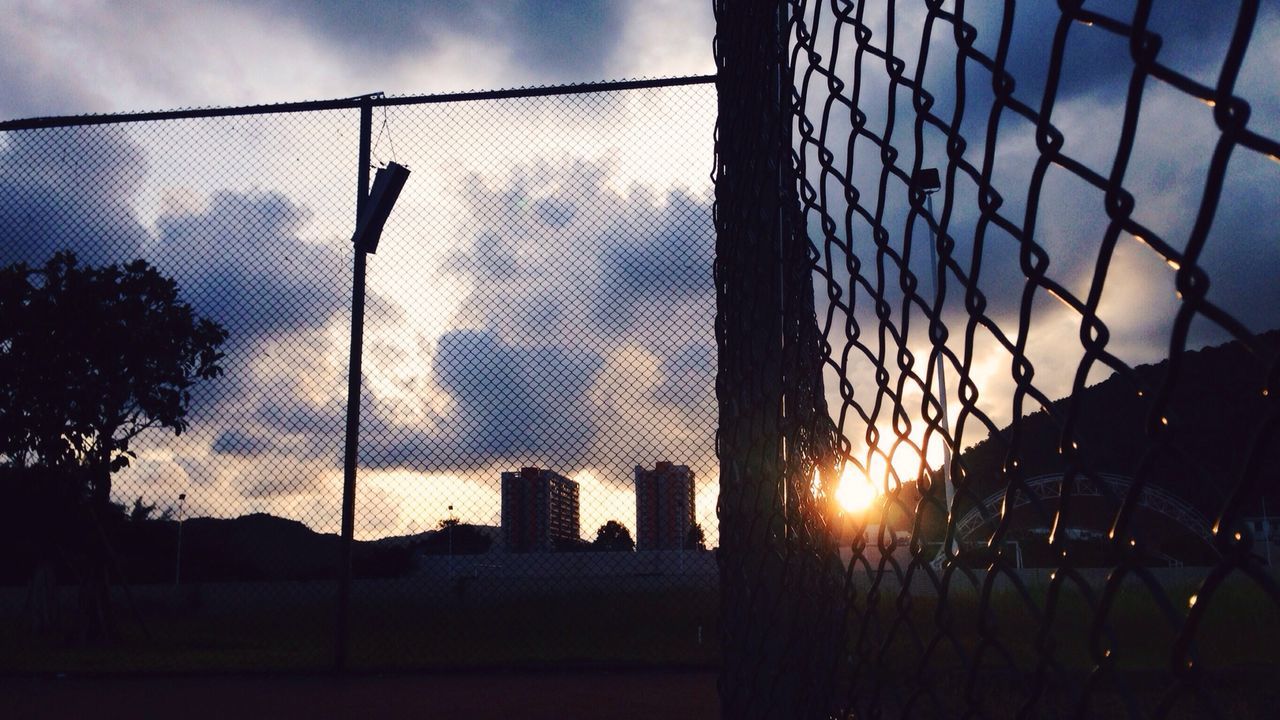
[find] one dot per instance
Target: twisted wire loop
(1058, 527)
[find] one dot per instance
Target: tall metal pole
(354, 376)
(942, 378)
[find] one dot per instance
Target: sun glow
(860, 487)
(855, 493)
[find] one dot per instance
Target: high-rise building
(664, 506)
(539, 508)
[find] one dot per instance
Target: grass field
(290, 626)
(582, 695)
(398, 626)
(988, 658)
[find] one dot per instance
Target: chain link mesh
(541, 298)
(997, 441)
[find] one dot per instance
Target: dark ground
(560, 695)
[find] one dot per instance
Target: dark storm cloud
(258, 485)
(555, 212)
(283, 409)
(488, 259)
(1194, 38)
(582, 263)
(238, 442)
(689, 378)
(509, 403)
(562, 35)
(1242, 254)
(512, 400)
(668, 255)
(241, 263)
(69, 189)
(558, 37)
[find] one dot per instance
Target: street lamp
(927, 181)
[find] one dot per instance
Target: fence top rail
(373, 99)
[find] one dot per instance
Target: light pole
(452, 522)
(928, 182)
(373, 206)
(177, 565)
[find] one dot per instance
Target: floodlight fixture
(387, 185)
(927, 180)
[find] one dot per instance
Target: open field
(651, 621)
(647, 624)
(991, 657)
(531, 696)
(394, 624)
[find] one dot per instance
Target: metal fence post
(354, 376)
(749, 328)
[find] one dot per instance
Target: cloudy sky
(78, 56)
(543, 292)
(542, 296)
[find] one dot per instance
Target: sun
(855, 493)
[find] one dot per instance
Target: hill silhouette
(261, 546)
(1215, 411)
(247, 548)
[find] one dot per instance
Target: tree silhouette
(457, 538)
(613, 536)
(91, 357)
(140, 512)
(695, 539)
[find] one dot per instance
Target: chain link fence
(537, 346)
(998, 361)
